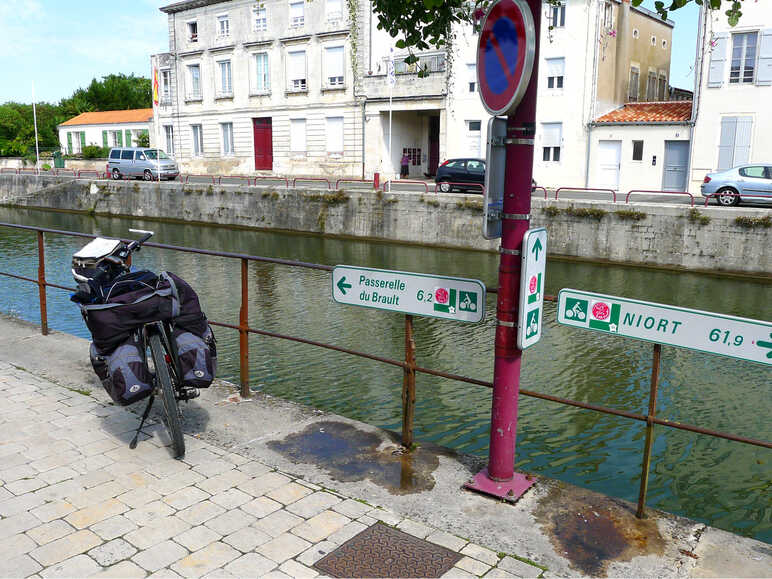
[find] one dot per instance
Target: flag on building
(155, 86)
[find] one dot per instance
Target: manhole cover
(381, 551)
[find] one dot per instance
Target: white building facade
(104, 129)
(734, 86)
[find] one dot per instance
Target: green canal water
(719, 482)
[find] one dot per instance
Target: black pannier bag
(137, 298)
(123, 372)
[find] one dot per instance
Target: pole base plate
(509, 490)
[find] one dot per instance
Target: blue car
(728, 187)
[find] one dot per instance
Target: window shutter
(556, 66)
(128, 138)
(726, 144)
(552, 134)
(717, 60)
(764, 75)
(119, 137)
(104, 138)
(82, 139)
(69, 143)
(335, 61)
(742, 141)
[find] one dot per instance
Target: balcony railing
(428, 63)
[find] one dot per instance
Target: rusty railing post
(408, 385)
(243, 335)
(649, 429)
(42, 284)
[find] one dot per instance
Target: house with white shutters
(734, 87)
(104, 129)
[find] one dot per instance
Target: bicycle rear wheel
(167, 395)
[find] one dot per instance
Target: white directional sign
(704, 331)
(452, 298)
(533, 264)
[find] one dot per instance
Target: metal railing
(458, 185)
(598, 189)
(388, 184)
(408, 365)
(645, 191)
(312, 179)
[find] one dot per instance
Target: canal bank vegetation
(753, 222)
(695, 216)
(595, 213)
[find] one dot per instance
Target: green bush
(752, 222)
(143, 139)
(95, 152)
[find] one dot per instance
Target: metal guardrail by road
(320, 179)
(408, 365)
(460, 185)
(535, 189)
(642, 191)
(613, 193)
(388, 184)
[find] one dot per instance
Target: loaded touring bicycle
(150, 337)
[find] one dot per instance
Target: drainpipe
(364, 120)
(587, 156)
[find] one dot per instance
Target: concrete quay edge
(552, 531)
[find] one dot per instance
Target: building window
(296, 14)
(334, 10)
(557, 16)
(552, 135)
(297, 135)
(227, 138)
(262, 75)
(335, 135)
(608, 15)
(296, 73)
(169, 134)
(223, 26)
(651, 86)
(226, 86)
(637, 150)
(634, 88)
(662, 88)
(260, 22)
(166, 86)
(473, 137)
(555, 71)
(198, 140)
(116, 139)
(636, 33)
(193, 31)
(194, 78)
(414, 156)
(653, 40)
(333, 64)
(472, 74)
(664, 44)
(735, 142)
(743, 58)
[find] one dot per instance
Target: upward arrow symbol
(537, 247)
(762, 344)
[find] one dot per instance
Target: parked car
(751, 180)
(140, 163)
(462, 174)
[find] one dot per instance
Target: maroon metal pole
(499, 478)
(243, 335)
(42, 284)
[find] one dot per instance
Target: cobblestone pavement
(75, 501)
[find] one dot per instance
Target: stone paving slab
(76, 502)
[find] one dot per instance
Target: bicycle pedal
(188, 393)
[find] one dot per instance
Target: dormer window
(260, 19)
(193, 31)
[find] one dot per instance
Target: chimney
(622, 59)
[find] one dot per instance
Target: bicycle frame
(163, 329)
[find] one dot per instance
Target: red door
(263, 144)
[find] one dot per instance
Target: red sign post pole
(499, 478)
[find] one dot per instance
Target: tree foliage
(422, 24)
(113, 92)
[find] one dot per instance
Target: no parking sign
(505, 53)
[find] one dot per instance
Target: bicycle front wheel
(167, 395)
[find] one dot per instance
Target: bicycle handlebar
(137, 243)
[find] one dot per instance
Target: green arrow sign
(343, 286)
(768, 345)
(536, 248)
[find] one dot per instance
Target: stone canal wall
(708, 239)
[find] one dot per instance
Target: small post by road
(645, 467)
(42, 284)
(243, 334)
(408, 385)
(507, 68)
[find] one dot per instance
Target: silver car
(140, 163)
(728, 187)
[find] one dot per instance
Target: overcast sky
(61, 45)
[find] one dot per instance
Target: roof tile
(653, 112)
(111, 117)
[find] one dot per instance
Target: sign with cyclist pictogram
(533, 265)
(505, 54)
(720, 334)
(451, 298)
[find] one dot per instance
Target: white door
(609, 157)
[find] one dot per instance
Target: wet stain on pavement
(349, 454)
(592, 530)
